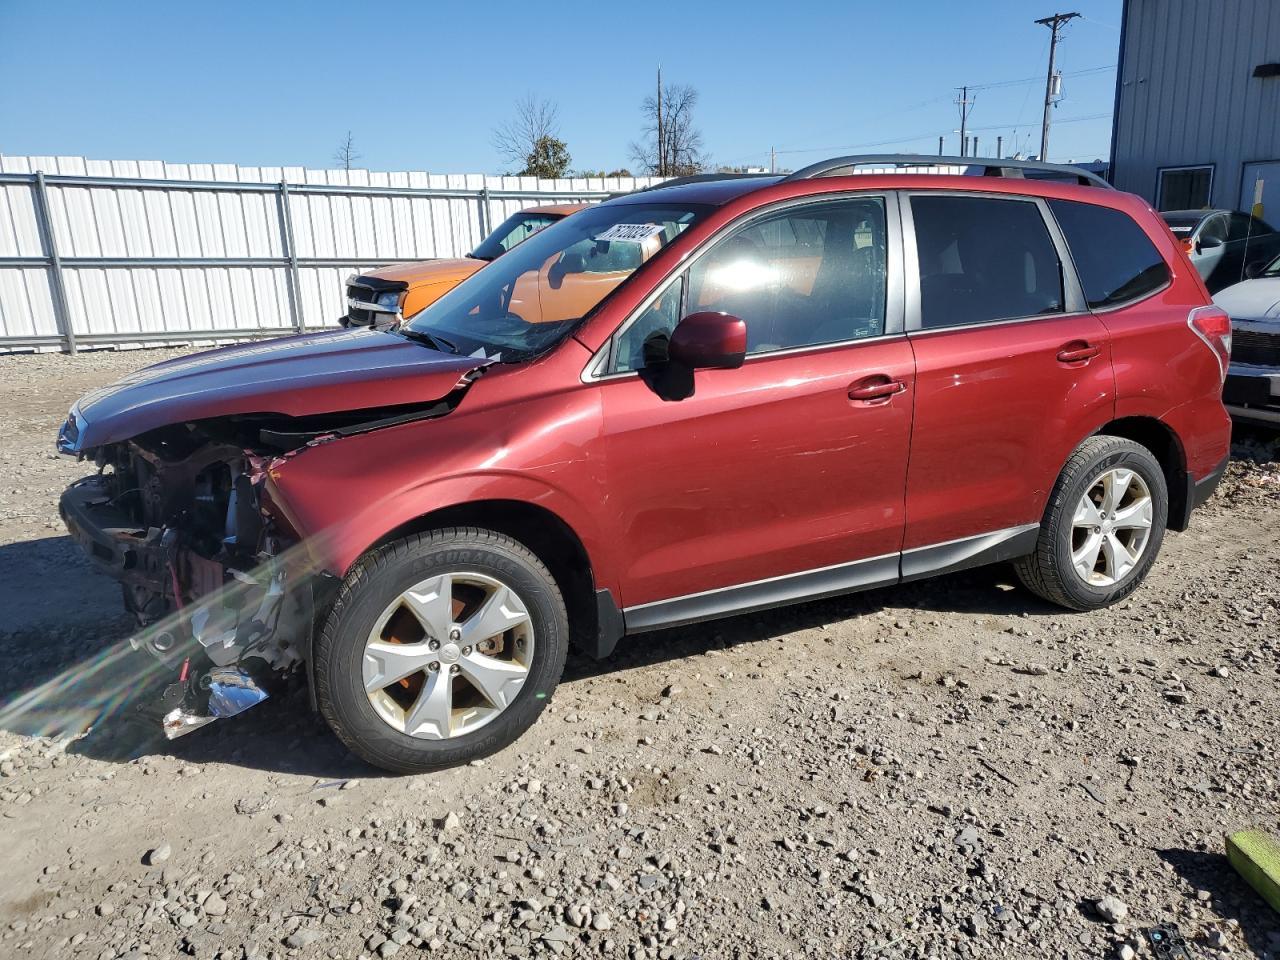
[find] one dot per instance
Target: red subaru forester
(783, 388)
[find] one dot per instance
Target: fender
(339, 507)
(338, 546)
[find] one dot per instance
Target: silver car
(1252, 390)
(1225, 246)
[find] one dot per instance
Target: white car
(1252, 390)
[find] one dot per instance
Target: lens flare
(140, 677)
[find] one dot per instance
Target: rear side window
(1115, 259)
(983, 260)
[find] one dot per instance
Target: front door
(783, 478)
(1209, 249)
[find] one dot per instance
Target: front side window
(515, 229)
(531, 298)
(811, 275)
(1114, 257)
(1214, 230)
(983, 260)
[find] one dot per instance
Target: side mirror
(567, 264)
(1253, 270)
(1208, 243)
(709, 340)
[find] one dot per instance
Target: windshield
(514, 229)
(529, 299)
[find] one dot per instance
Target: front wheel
(439, 649)
(1103, 527)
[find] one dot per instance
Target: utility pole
(940, 146)
(999, 147)
(975, 145)
(773, 160)
(662, 156)
(964, 103)
(1055, 24)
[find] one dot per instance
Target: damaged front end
(180, 511)
(212, 575)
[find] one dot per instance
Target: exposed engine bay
(178, 517)
(224, 592)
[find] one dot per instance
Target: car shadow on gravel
(63, 680)
(986, 590)
(1230, 898)
(48, 581)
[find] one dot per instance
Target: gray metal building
(1197, 118)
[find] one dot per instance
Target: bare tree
(345, 156)
(672, 145)
(531, 141)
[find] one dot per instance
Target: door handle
(878, 386)
(1078, 351)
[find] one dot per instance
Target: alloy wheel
(1111, 527)
(448, 655)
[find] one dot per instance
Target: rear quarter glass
(1163, 369)
(1116, 261)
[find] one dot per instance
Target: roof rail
(692, 178)
(989, 166)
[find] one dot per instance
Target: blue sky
(422, 85)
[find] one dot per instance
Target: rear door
(1250, 243)
(1012, 372)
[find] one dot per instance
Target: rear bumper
(1252, 392)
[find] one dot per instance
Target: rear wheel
(440, 648)
(1103, 527)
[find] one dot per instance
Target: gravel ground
(949, 768)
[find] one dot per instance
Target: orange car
(387, 294)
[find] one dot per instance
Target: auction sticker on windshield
(630, 232)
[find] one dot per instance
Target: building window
(1184, 188)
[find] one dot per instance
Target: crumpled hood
(296, 376)
(1251, 300)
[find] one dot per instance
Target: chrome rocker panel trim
(833, 581)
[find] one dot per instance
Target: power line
(1005, 126)
(1028, 80)
(1086, 71)
(926, 135)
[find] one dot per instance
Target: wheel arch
(1165, 445)
(554, 541)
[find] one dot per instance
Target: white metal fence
(112, 253)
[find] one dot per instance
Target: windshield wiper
(476, 256)
(434, 341)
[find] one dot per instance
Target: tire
(381, 580)
(1049, 572)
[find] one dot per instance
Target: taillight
(1213, 326)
